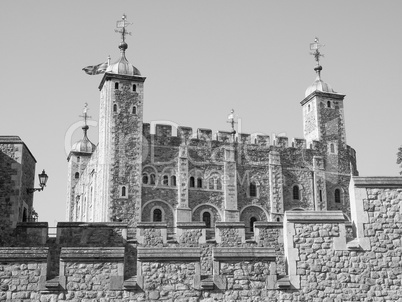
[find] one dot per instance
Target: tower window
(157, 215)
(123, 191)
(211, 183)
(309, 108)
(329, 104)
(252, 220)
(192, 182)
(206, 217)
(152, 177)
(218, 184)
(78, 159)
(296, 193)
(134, 87)
(145, 178)
(253, 189)
(278, 219)
(134, 111)
(199, 183)
(332, 147)
(116, 85)
(320, 195)
(165, 180)
(173, 180)
(77, 175)
(338, 196)
(114, 107)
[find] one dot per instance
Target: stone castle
(194, 217)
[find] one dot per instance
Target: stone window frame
(162, 213)
(300, 187)
(165, 180)
(216, 178)
(116, 85)
(257, 189)
(134, 110)
(173, 180)
(341, 195)
(125, 189)
(115, 108)
(77, 175)
(145, 174)
(211, 214)
(134, 88)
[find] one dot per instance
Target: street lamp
(42, 182)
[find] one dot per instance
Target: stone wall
(310, 256)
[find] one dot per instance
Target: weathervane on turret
(317, 54)
(85, 116)
(122, 24)
(231, 121)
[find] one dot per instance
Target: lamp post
(42, 182)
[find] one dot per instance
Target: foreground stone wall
(310, 256)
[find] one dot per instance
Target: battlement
(278, 259)
(164, 134)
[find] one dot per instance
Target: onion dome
(84, 145)
(122, 66)
(318, 84)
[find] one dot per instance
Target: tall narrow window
(332, 147)
(134, 111)
(114, 107)
(211, 183)
(192, 182)
(253, 189)
(77, 175)
(165, 180)
(329, 104)
(218, 184)
(123, 191)
(309, 108)
(173, 180)
(199, 183)
(252, 220)
(78, 159)
(152, 177)
(206, 217)
(134, 87)
(337, 196)
(157, 215)
(296, 193)
(145, 178)
(320, 195)
(116, 85)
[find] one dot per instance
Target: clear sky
(201, 59)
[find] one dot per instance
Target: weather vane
(85, 115)
(316, 46)
(122, 24)
(232, 122)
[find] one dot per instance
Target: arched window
(192, 182)
(114, 107)
(145, 178)
(332, 147)
(134, 111)
(252, 220)
(278, 219)
(77, 175)
(218, 184)
(337, 195)
(309, 108)
(173, 180)
(157, 215)
(253, 189)
(199, 183)
(329, 104)
(206, 217)
(116, 85)
(165, 180)
(78, 159)
(296, 192)
(211, 184)
(123, 191)
(134, 87)
(320, 195)
(152, 177)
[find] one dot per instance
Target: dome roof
(122, 66)
(319, 84)
(84, 145)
